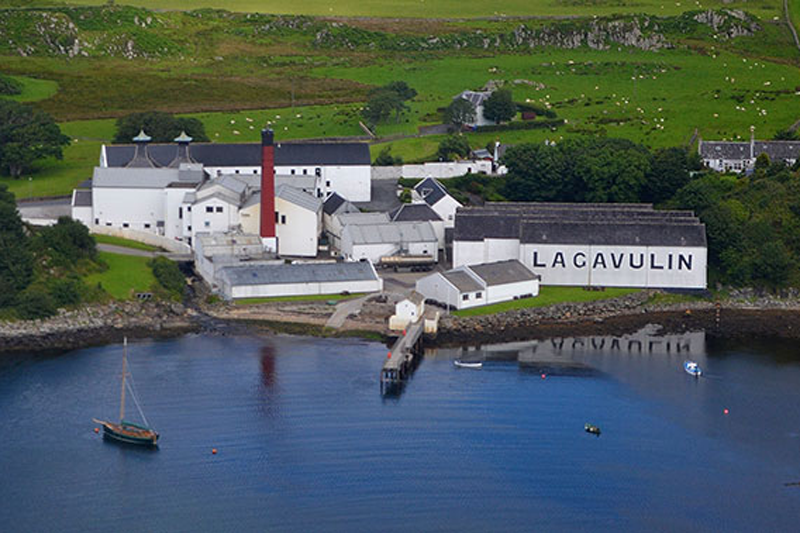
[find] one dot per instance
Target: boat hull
(460, 364)
(130, 434)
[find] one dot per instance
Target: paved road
(343, 310)
(123, 250)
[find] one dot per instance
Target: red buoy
(725, 411)
(543, 376)
(97, 430)
(213, 451)
(389, 355)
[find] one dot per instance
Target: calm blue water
(306, 443)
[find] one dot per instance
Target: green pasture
(794, 13)
(126, 275)
(448, 8)
(547, 296)
(33, 89)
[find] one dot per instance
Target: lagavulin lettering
(615, 260)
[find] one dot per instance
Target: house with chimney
(732, 156)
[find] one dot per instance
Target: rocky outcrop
(96, 325)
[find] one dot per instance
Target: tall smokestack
(268, 236)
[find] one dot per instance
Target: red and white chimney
(268, 236)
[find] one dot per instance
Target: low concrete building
(484, 284)
(260, 281)
(371, 242)
(213, 251)
(339, 221)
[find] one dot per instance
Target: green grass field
(547, 296)
(126, 275)
(33, 89)
(126, 243)
(442, 8)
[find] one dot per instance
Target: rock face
(94, 325)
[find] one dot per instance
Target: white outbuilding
(371, 242)
(260, 281)
(436, 196)
(407, 311)
(483, 284)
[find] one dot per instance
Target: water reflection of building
(268, 373)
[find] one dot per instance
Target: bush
(169, 276)
(385, 158)
(35, 302)
(66, 291)
(9, 86)
(68, 241)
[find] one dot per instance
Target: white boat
(692, 368)
(462, 364)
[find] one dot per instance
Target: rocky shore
(96, 325)
(743, 314)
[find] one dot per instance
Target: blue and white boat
(692, 368)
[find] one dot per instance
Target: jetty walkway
(402, 359)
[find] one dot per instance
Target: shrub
(9, 86)
(169, 276)
(66, 291)
(35, 302)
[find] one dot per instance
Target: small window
(207, 224)
(236, 171)
(180, 213)
(126, 225)
(189, 209)
(146, 225)
(277, 219)
(305, 172)
(255, 171)
(478, 295)
(219, 209)
(328, 183)
(97, 221)
(108, 223)
(209, 209)
(189, 228)
(464, 297)
(292, 172)
(318, 172)
(283, 219)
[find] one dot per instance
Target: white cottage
(436, 196)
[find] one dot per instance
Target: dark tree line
(162, 127)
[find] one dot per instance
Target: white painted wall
(446, 208)
(297, 229)
(215, 221)
(297, 289)
(436, 287)
(250, 219)
(406, 310)
(509, 291)
(447, 169)
(174, 212)
(486, 251)
(81, 214)
(137, 207)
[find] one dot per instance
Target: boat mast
(124, 370)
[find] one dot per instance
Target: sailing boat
(126, 431)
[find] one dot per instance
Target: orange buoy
(97, 430)
(213, 451)
(389, 355)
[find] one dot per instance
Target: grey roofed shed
(298, 273)
(299, 198)
(503, 272)
(249, 154)
(392, 232)
(462, 281)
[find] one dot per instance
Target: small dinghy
(462, 364)
(692, 368)
(591, 428)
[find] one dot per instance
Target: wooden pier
(402, 359)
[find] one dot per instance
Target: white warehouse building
(605, 245)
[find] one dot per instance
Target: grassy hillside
(650, 79)
(441, 8)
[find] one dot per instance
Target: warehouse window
(292, 172)
(219, 209)
(209, 209)
(189, 209)
(126, 225)
(305, 172)
(464, 297)
(277, 219)
(108, 223)
(283, 219)
(189, 228)
(328, 183)
(180, 213)
(146, 225)
(97, 221)
(478, 295)
(207, 224)
(318, 172)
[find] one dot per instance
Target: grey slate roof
(333, 203)
(392, 232)
(476, 98)
(134, 178)
(430, 190)
(414, 213)
(503, 272)
(83, 198)
(462, 281)
(359, 219)
(776, 150)
(297, 273)
(299, 198)
(598, 224)
(249, 154)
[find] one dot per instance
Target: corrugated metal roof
(392, 232)
(346, 219)
(298, 198)
(134, 178)
(300, 273)
(249, 154)
(503, 272)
